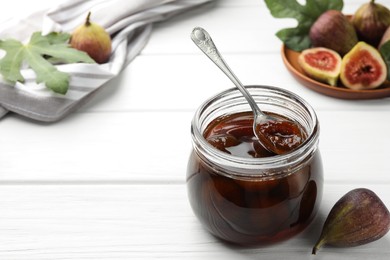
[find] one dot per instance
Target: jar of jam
(241, 192)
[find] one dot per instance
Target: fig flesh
(371, 21)
(358, 218)
(363, 68)
(322, 64)
(334, 31)
(92, 39)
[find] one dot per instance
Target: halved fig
(363, 68)
(321, 64)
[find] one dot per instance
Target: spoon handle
(203, 40)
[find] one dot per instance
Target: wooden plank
(112, 146)
(141, 222)
(150, 84)
(129, 146)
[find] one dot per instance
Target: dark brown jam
(234, 134)
(280, 136)
(250, 209)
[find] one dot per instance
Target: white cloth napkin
(128, 21)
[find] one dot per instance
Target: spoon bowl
(275, 134)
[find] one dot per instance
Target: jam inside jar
(241, 192)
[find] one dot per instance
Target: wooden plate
(290, 59)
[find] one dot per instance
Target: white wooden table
(101, 185)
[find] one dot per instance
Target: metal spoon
(275, 134)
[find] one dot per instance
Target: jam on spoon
(276, 135)
(279, 136)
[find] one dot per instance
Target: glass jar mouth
(270, 99)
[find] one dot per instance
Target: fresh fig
(385, 37)
(371, 21)
(322, 64)
(92, 39)
(333, 30)
(358, 218)
(363, 68)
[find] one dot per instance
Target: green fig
(358, 218)
(371, 21)
(92, 39)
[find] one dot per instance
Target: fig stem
(317, 246)
(314, 251)
(87, 21)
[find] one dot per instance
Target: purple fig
(358, 218)
(334, 31)
(371, 21)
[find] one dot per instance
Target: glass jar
(255, 200)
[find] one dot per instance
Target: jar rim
(247, 166)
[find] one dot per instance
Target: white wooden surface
(101, 185)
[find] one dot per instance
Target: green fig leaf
(298, 38)
(37, 54)
(385, 52)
